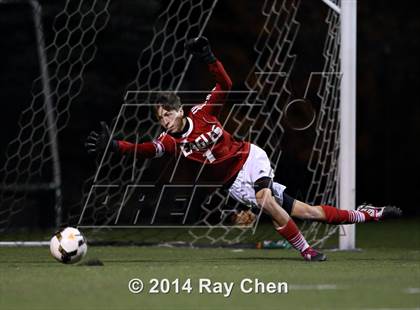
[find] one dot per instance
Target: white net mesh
(29, 154)
(323, 163)
(264, 114)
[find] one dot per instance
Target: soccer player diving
(200, 137)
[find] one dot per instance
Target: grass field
(385, 274)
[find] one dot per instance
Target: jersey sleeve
(217, 97)
(153, 149)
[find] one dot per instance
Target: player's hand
(97, 142)
(200, 47)
(243, 218)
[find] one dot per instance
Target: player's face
(171, 120)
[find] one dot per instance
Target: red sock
(292, 234)
(337, 216)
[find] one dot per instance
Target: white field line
(412, 290)
(390, 309)
(315, 287)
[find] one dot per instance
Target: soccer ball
(68, 245)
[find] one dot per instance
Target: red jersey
(205, 141)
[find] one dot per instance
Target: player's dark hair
(168, 101)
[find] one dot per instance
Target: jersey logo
(202, 142)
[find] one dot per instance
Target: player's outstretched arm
(200, 47)
(97, 142)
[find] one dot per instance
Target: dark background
(388, 111)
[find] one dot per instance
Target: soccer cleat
(312, 255)
(377, 214)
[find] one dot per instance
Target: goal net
(287, 103)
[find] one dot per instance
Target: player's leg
(327, 214)
(285, 225)
(332, 215)
(252, 186)
(266, 201)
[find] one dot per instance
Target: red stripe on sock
(292, 234)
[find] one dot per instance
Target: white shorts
(256, 166)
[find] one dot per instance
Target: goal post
(347, 9)
(50, 115)
(347, 161)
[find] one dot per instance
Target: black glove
(200, 47)
(96, 143)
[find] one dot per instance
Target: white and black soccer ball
(68, 245)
